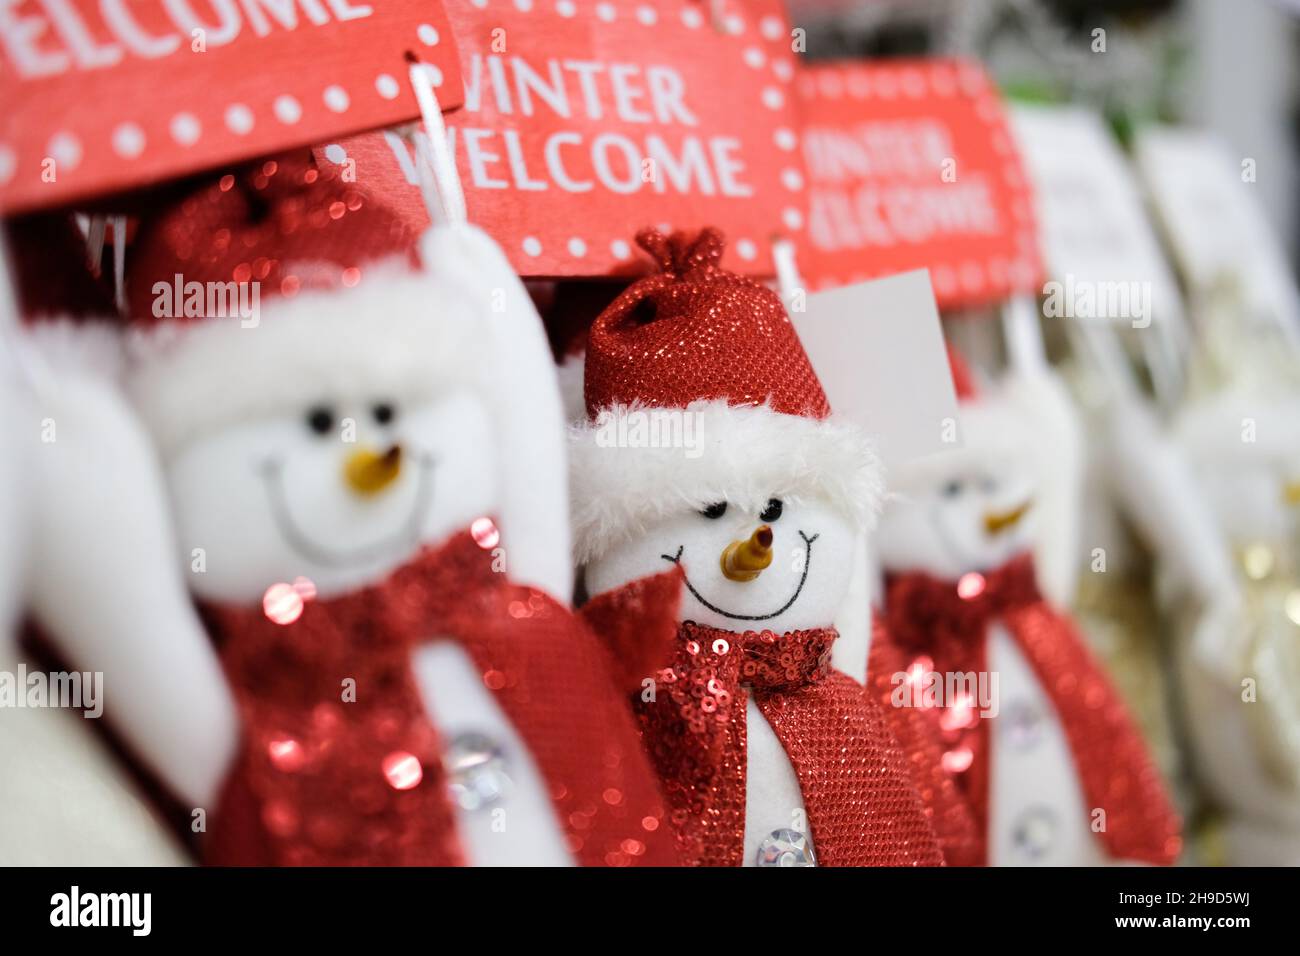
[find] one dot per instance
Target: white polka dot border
(128, 140)
(943, 80)
(239, 119)
(336, 99)
(287, 109)
(185, 129)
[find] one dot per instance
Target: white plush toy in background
(72, 466)
(709, 448)
(1035, 736)
(1239, 657)
(365, 467)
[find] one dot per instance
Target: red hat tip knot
(683, 253)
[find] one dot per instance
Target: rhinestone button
(786, 848)
(1023, 724)
(476, 770)
(1035, 832)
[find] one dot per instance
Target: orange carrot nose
(1291, 492)
(997, 522)
(745, 560)
(369, 472)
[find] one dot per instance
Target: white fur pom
(636, 464)
(69, 348)
(397, 330)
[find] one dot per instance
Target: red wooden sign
(102, 95)
(910, 165)
(585, 121)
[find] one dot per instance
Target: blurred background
(1173, 462)
(1229, 67)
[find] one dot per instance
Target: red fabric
(282, 223)
(51, 270)
(862, 808)
(638, 624)
(945, 803)
(570, 308)
(315, 782)
(962, 380)
(926, 619)
(695, 331)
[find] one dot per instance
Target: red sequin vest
(862, 808)
(340, 762)
(930, 625)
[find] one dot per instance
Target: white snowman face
(1253, 487)
(337, 492)
(972, 516)
(804, 548)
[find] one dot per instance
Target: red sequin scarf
(930, 625)
(862, 808)
(341, 764)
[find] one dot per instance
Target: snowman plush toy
(68, 444)
(1053, 767)
(338, 462)
(1238, 659)
(709, 448)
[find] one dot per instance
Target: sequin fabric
(862, 808)
(328, 780)
(241, 225)
(927, 622)
(695, 331)
(946, 806)
(637, 623)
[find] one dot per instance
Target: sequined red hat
(274, 283)
(717, 351)
(693, 332)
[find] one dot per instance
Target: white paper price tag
(1205, 198)
(1103, 258)
(879, 352)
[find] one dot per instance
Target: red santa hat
(277, 284)
(352, 305)
(64, 311)
(719, 348)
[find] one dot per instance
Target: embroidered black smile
(807, 561)
(271, 471)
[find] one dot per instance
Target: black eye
(715, 510)
(384, 413)
(320, 419)
(773, 510)
(952, 489)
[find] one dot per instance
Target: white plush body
(1038, 815)
(803, 588)
(68, 513)
(461, 383)
(935, 522)
(1244, 483)
(259, 526)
